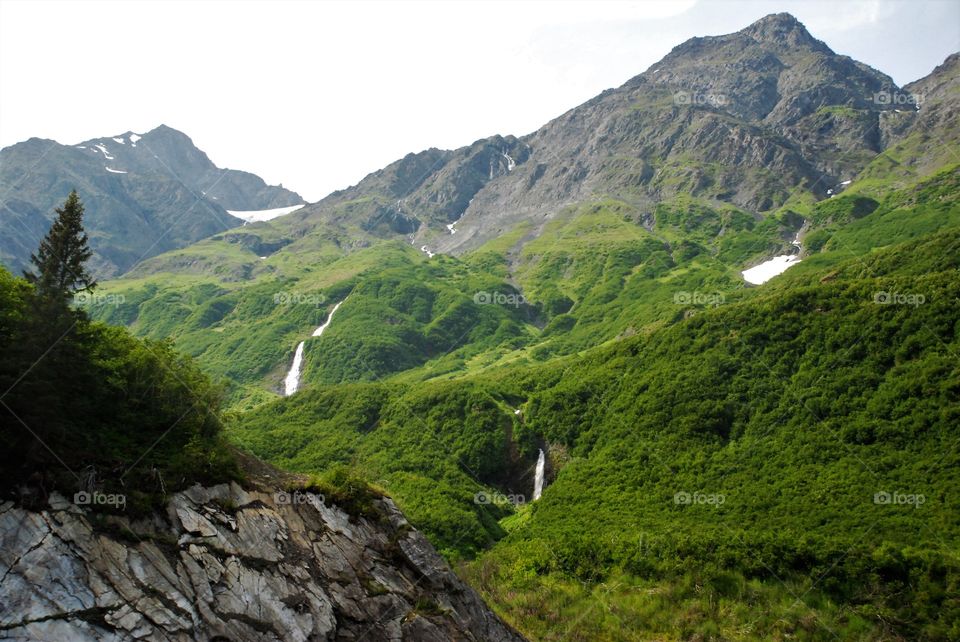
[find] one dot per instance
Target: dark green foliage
(431, 447)
(843, 209)
(90, 407)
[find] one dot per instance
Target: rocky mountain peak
(780, 29)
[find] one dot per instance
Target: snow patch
(510, 163)
(768, 269)
(450, 227)
(103, 149)
(430, 255)
(81, 147)
(119, 140)
(134, 138)
(114, 171)
(252, 216)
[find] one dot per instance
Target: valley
(681, 364)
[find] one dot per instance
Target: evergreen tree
(62, 254)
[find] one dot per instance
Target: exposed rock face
(231, 564)
(749, 118)
(752, 119)
(428, 189)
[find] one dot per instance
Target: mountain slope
(741, 448)
(757, 119)
(172, 534)
(723, 461)
(143, 194)
(601, 220)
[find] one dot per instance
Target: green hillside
(724, 461)
(791, 411)
(797, 407)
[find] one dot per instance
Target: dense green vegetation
(796, 407)
(88, 407)
(427, 446)
(723, 451)
(593, 274)
(803, 404)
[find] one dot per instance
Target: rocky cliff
(225, 563)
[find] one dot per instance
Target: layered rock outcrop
(225, 563)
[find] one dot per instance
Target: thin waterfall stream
(292, 381)
(538, 477)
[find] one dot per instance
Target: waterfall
(538, 477)
(326, 323)
(292, 382)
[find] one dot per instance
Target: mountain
(144, 195)
(730, 151)
(920, 133)
(723, 459)
(793, 118)
(762, 119)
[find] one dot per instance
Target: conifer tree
(60, 260)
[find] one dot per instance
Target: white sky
(318, 94)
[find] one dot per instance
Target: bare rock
(223, 561)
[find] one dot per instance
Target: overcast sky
(318, 94)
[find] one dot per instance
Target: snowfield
(252, 216)
(768, 269)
